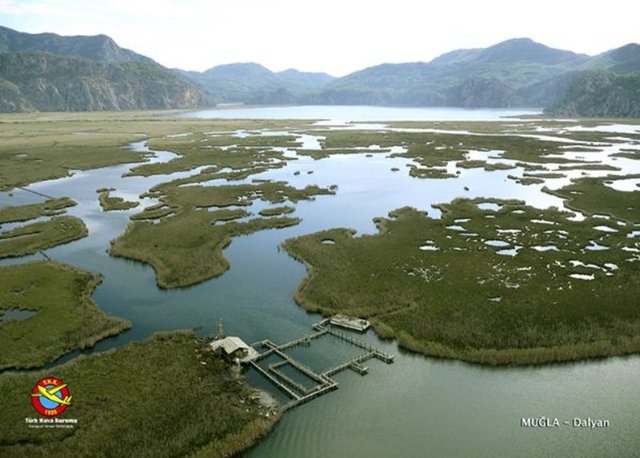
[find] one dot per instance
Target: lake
(339, 114)
(415, 407)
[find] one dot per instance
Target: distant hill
(255, 84)
(527, 51)
(49, 72)
(514, 73)
(490, 77)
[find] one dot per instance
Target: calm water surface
(361, 113)
(415, 407)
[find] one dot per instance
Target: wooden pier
(322, 382)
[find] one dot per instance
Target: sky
(333, 36)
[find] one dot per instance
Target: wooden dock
(365, 346)
(322, 382)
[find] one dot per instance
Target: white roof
(229, 344)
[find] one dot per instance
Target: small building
(233, 349)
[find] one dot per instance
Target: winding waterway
(413, 408)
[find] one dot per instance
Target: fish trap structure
(321, 382)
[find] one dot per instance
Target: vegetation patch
(628, 154)
(31, 238)
(185, 246)
(65, 316)
(123, 394)
(485, 127)
(32, 151)
(519, 288)
(276, 211)
(430, 172)
(489, 167)
(432, 151)
(591, 195)
(589, 167)
(153, 212)
(437, 148)
(51, 207)
(214, 150)
(547, 175)
(109, 203)
(526, 180)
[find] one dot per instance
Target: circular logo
(50, 396)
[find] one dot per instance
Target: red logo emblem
(50, 397)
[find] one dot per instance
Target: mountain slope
(49, 72)
(98, 47)
(600, 94)
(46, 82)
(490, 77)
(623, 59)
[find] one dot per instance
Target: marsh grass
(31, 238)
(65, 316)
(489, 167)
(185, 246)
(547, 175)
(276, 211)
(162, 397)
(445, 302)
(42, 146)
(526, 180)
(51, 207)
(109, 203)
(591, 195)
(631, 154)
(589, 167)
(219, 151)
(36, 151)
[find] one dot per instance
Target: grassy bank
(456, 288)
(159, 398)
(31, 238)
(65, 316)
(51, 207)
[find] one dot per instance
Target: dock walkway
(322, 382)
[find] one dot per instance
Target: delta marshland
(547, 275)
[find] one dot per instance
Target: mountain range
(49, 72)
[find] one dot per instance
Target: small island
(109, 203)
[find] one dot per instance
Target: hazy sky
(337, 37)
